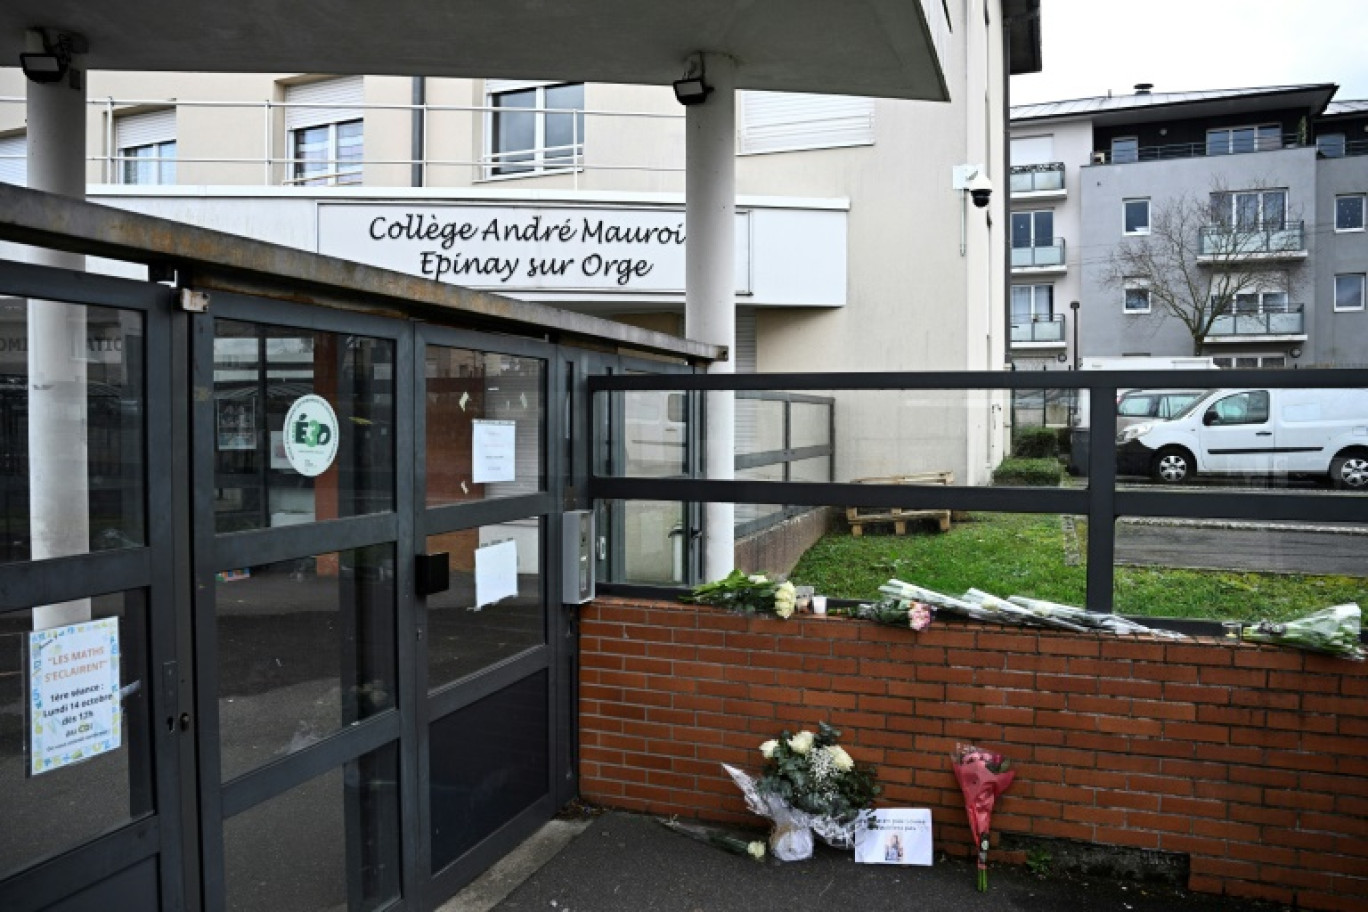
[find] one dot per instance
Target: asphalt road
(1278, 549)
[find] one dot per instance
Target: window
(1244, 139)
(1331, 145)
(146, 148)
(1125, 149)
(14, 160)
(1250, 210)
(534, 127)
(1135, 216)
(325, 129)
(793, 121)
(1032, 303)
(1349, 291)
(1033, 229)
(1137, 296)
(1245, 362)
(1249, 407)
(327, 155)
(1349, 212)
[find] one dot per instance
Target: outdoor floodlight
(692, 89)
(53, 62)
(43, 66)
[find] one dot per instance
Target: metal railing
(1102, 501)
(1289, 320)
(275, 166)
(1038, 329)
(779, 440)
(1256, 239)
(1039, 256)
(1037, 178)
(1202, 149)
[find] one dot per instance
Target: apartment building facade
(1270, 256)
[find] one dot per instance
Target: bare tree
(1204, 255)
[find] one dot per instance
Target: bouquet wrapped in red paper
(982, 776)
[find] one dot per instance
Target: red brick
(1194, 693)
(1191, 731)
(1143, 728)
(1162, 823)
(1131, 687)
(1066, 683)
(1037, 663)
(1197, 654)
(1300, 682)
(1233, 677)
(1140, 839)
(1193, 807)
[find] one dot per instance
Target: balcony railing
(1037, 178)
(1038, 329)
(1290, 321)
(1196, 150)
(1263, 239)
(1039, 257)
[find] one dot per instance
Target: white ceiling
(859, 47)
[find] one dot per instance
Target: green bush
(1039, 472)
(1035, 443)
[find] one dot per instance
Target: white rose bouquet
(745, 593)
(810, 783)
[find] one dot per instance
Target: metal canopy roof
(1155, 106)
(858, 47)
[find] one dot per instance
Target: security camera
(980, 189)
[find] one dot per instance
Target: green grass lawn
(1040, 557)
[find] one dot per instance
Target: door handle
(1263, 433)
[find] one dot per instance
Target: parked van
(1304, 432)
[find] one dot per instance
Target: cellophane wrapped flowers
(747, 593)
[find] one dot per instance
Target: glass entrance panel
(70, 804)
(329, 844)
(72, 417)
(494, 608)
(306, 647)
(486, 415)
(332, 461)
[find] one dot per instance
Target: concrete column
(59, 512)
(710, 276)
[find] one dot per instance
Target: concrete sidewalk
(621, 862)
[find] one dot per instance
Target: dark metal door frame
(165, 835)
(219, 552)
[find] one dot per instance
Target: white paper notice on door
(900, 836)
(494, 450)
(496, 573)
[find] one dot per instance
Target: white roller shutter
(788, 121)
(345, 91)
(14, 160)
(136, 130)
(1032, 150)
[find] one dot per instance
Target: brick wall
(1250, 759)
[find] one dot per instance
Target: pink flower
(918, 616)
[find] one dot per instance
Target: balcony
(1038, 181)
(1126, 156)
(1268, 325)
(1278, 240)
(1038, 332)
(1046, 258)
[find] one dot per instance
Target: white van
(1314, 432)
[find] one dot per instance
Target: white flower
(801, 743)
(840, 759)
(784, 612)
(757, 850)
(759, 578)
(769, 747)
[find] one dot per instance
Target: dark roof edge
(1328, 87)
(1021, 21)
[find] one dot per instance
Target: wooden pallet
(859, 517)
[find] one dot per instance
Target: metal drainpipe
(1006, 180)
(418, 152)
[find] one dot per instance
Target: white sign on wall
(496, 573)
(74, 707)
(494, 450)
(521, 248)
